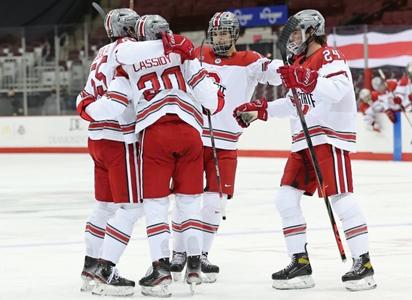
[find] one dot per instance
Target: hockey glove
(391, 115)
(397, 100)
(298, 77)
(178, 44)
(410, 97)
(249, 112)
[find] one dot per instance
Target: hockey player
(404, 88)
(113, 148)
(169, 91)
(323, 82)
(239, 72)
(369, 106)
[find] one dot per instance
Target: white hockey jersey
(238, 74)
(404, 90)
(101, 74)
(330, 110)
(160, 84)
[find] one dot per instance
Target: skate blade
(300, 282)
(87, 284)
(367, 283)
(103, 289)
(176, 276)
(192, 288)
(161, 290)
(193, 278)
(209, 277)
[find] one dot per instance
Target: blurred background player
(323, 82)
(238, 72)
(369, 108)
(112, 146)
(384, 97)
(168, 90)
(404, 88)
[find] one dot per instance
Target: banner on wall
(393, 49)
(261, 15)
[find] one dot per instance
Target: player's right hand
(249, 112)
(178, 44)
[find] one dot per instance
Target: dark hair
(320, 39)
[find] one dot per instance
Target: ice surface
(45, 200)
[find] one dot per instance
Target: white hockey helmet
(223, 23)
(150, 27)
(307, 19)
(120, 22)
(365, 95)
(378, 84)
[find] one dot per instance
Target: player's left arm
(331, 82)
(115, 101)
(265, 71)
(208, 92)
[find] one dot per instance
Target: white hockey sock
(118, 231)
(189, 207)
(211, 217)
(177, 235)
(157, 226)
(294, 225)
(95, 227)
(353, 223)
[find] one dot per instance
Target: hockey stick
(212, 139)
(284, 37)
(99, 9)
(382, 75)
(131, 4)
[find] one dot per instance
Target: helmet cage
(223, 32)
(222, 38)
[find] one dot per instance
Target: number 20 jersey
(162, 84)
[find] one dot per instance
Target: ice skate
(360, 276)
(87, 275)
(110, 283)
(209, 270)
(193, 273)
(177, 264)
(157, 280)
(297, 275)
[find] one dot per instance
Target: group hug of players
(148, 98)
(388, 96)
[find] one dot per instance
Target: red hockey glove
(298, 77)
(391, 85)
(397, 100)
(391, 115)
(81, 107)
(178, 44)
(249, 112)
(374, 96)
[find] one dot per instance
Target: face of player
(295, 41)
(221, 37)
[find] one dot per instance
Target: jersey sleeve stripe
(198, 77)
(118, 97)
(336, 74)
